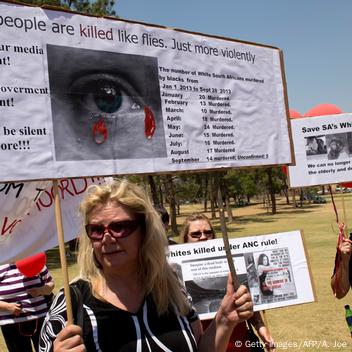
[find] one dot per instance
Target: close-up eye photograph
(104, 105)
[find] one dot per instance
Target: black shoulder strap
(255, 344)
(79, 302)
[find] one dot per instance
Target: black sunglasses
(117, 229)
(198, 234)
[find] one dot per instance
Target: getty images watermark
(300, 344)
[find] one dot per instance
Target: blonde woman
(132, 299)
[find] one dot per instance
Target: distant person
(23, 306)
(72, 247)
(341, 280)
(197, 227)
(165, 218)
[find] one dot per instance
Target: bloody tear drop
(149, 123)
(100, 132)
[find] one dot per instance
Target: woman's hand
(345, 248)
(44, 290)
(235, 306)
(14, 308)
(35, 291)
(265, 336)
(69, 339)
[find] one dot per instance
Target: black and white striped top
(13, 289)
(107, 328)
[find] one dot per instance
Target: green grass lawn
(321, 322)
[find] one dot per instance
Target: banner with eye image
(83, 96)
(323, 150)
(274, 267)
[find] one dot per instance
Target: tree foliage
(96, 8)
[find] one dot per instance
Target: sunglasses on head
(117, 229)
(198, 234)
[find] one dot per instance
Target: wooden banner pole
(225, 237)
(61, 239)
(265, 321)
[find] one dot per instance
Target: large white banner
(27, 215)
(85, 96)
(274, 267)
(323, 150)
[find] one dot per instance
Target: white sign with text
(274, 267)
(323, 150)
(86, 96)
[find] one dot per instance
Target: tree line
(96, 7)
(238, 188)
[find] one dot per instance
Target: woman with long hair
(132, 299)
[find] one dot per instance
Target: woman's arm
(340, 280)
(44, 290)
(260, 269)
(12, 308)
(55, 335)
(236, 306)
(263, 332)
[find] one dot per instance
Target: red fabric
(31, 266)
(238, 338)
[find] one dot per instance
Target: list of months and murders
(197, 96)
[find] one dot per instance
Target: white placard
(323, 150)
(27, 215)
(86, 96)
(274, 267)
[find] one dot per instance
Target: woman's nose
(107, 236)
(203, 237)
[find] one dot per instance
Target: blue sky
(315, 36)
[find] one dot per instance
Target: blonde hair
(158, 278)
(187, 222)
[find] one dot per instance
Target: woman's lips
(112, 252)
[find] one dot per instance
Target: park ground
(319, 325)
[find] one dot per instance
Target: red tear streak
(100, 132)
(149, 123)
